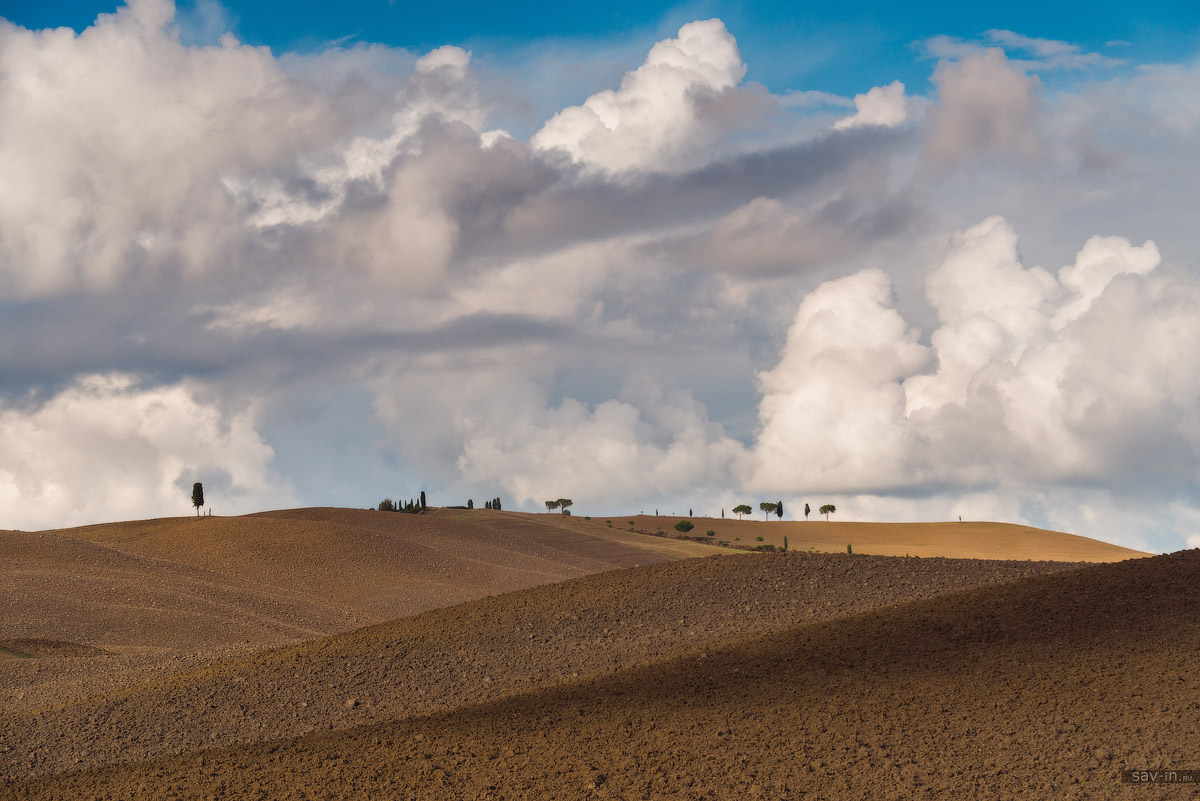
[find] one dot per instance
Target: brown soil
(968, 539)
(1044, 687)
(487, 649)
(161, 596)
(135, 667)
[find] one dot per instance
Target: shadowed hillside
(157, 596)
(487, 649)
(1043, 687)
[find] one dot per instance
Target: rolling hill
(1049, 682)
(225, 655)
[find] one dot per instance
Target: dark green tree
(470, 503)
(767, 507)
(423, 507)
(807, 509)
(684, 526)
(197, 496)
(386, 505)
(742, 509)
(496, 503)
(551, 506)
(565, 504)
(779, 509)
(827, 510)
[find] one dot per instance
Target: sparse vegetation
(711, 533)
(386, 505)
(759, 539)
(684, 526)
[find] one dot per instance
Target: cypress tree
(423, 506)
(197, 496)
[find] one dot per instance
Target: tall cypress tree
(197, 496)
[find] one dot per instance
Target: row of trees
(561, 503)
(494, 503)
(412, 507)
(776, 508)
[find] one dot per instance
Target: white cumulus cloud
(1027, 378)
(882, 105)
(106, 449)
(656, 120)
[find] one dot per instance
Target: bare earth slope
(145, 598)
(1045, 687)
(377, 564)
(959, 540)
(487, 649)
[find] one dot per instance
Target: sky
(919, 262)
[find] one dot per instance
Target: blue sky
(829, 45)
(918, 262)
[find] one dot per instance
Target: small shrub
(848, 548)
(759, 539)
(609, 523)
(711, 533)
(585, 517)
(660, 532)
(631, 524)
(684, 526)
(737, 539)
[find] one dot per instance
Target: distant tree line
(776, 509)
(412, 506)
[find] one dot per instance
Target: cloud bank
(680, 291)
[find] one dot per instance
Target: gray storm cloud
(637, 303)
